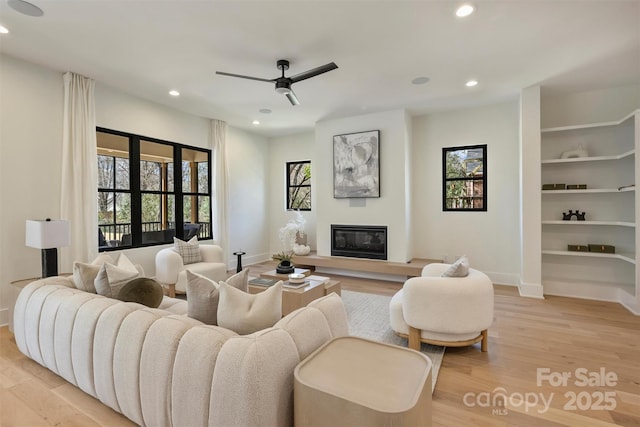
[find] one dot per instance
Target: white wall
(490, 239)
(389, 208)
(248, 213)
(285, 149)
(30, 164)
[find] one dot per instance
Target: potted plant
(285, 266)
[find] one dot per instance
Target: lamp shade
(47, 234)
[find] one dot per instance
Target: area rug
(369, 318)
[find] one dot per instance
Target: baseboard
(4, 317)
(531, 290)
(583, 290)
(508, 279)
(629, 302)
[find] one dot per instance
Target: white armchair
(170, 270)
(446, 311)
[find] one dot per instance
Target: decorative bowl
(296, 277)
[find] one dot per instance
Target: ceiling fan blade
(293, 99)
(314, 72)
(222, 73)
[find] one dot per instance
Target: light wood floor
(559, 334)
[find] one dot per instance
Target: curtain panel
(220, 182)
(79, 203)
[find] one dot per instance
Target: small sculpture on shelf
(579, 216)
(575, 153)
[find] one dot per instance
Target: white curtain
(220, 176)
(79, 200)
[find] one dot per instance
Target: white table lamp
(48, 235)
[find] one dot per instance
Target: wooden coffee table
(295, 298)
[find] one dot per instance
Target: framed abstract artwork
(356, 165)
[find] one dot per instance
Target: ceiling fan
(283, 84)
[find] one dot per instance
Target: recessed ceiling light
(420, 80)
(4, 30)
(465, 10)
(471, 83)
(256, 122)
(25, 8)
(174, 93)
(265, 111)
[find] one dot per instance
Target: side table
(353, 381)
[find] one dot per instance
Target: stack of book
(309, 280)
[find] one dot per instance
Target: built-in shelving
(590, 190)
(610, 169)
(611, 223)
(590, 159)
(625, 257)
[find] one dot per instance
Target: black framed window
(299, 185)
(138, 201)
(464, 178)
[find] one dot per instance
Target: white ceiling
(148, 47)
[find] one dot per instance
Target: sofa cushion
(84, 274)
(111, 279)
(203, 295)
(460, 268)
(142, 290)
(189, 251)
(246, 313)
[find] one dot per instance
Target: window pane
(122, 173)
(203, 177)
(171, 210)
(195, 171)
(170, 176)
(105, 207)
(153, 158)
(299, 173)
(186, 177)
(150, 211)
(149, 176)
(204, 204)
(300, 198)
(466, 194)
(188, 215)
(105, 172)
(464, 163)
(123, 208)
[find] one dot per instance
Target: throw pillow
(203, 295)
(111, 279)
(240, 280)
(189, 251)
(460, 268)
(142, 290)
(85, 274)
(202, 298)
(246, 313)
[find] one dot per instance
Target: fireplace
(359, 241)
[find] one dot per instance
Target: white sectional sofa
(161, 368)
